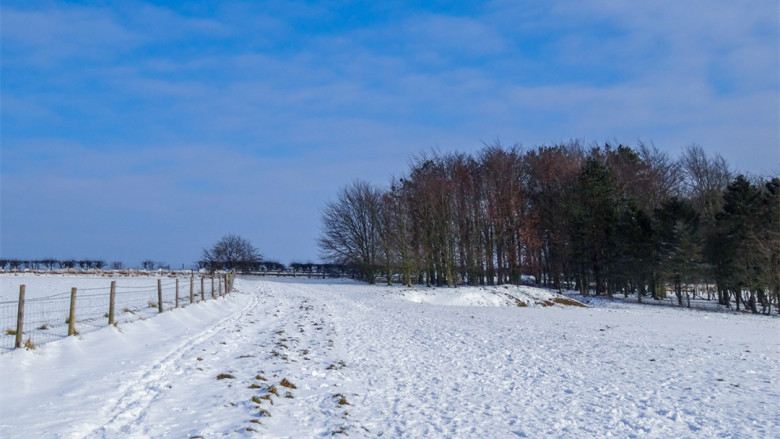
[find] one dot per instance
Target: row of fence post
(228, 286)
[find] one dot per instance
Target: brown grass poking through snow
(288, 384)
(565, 301)
(340, 399)
(569, 302)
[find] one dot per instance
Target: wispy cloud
(46, 38)
(170, 116)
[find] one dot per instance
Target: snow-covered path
(371, 362)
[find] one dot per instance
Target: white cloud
(48, 37)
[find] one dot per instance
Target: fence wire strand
(46, 318)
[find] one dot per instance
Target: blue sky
(136, 130)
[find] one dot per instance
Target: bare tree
(351, 228)
(231, 252)
(664, 178)
(705, 180)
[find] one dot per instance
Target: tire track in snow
(137, 395)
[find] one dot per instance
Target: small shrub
(253, 386)
(152, 304)
(287, 383)
(263, 413)
(224, 376)
(257, 400)
(288, 395)
(273, 390)
(10, 332)
(43, 327)
(128, 310)
(340, 399)
(29, 344)
(260, 378)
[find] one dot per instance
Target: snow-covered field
(396, 362)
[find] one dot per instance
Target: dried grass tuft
(288, 384)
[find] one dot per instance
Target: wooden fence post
(111, 301)
(212, 287)
(202, 291)
(220, 286)
(192, 289)
(72, 315)
(20, 318)
(159, 296)
(177, 292)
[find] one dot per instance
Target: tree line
(51, 264)
(233, 252)
(604, 220)
(83, 264)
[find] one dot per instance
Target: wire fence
(46, 319)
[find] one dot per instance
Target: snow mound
(505, 295)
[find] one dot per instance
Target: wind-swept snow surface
(315, 359)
